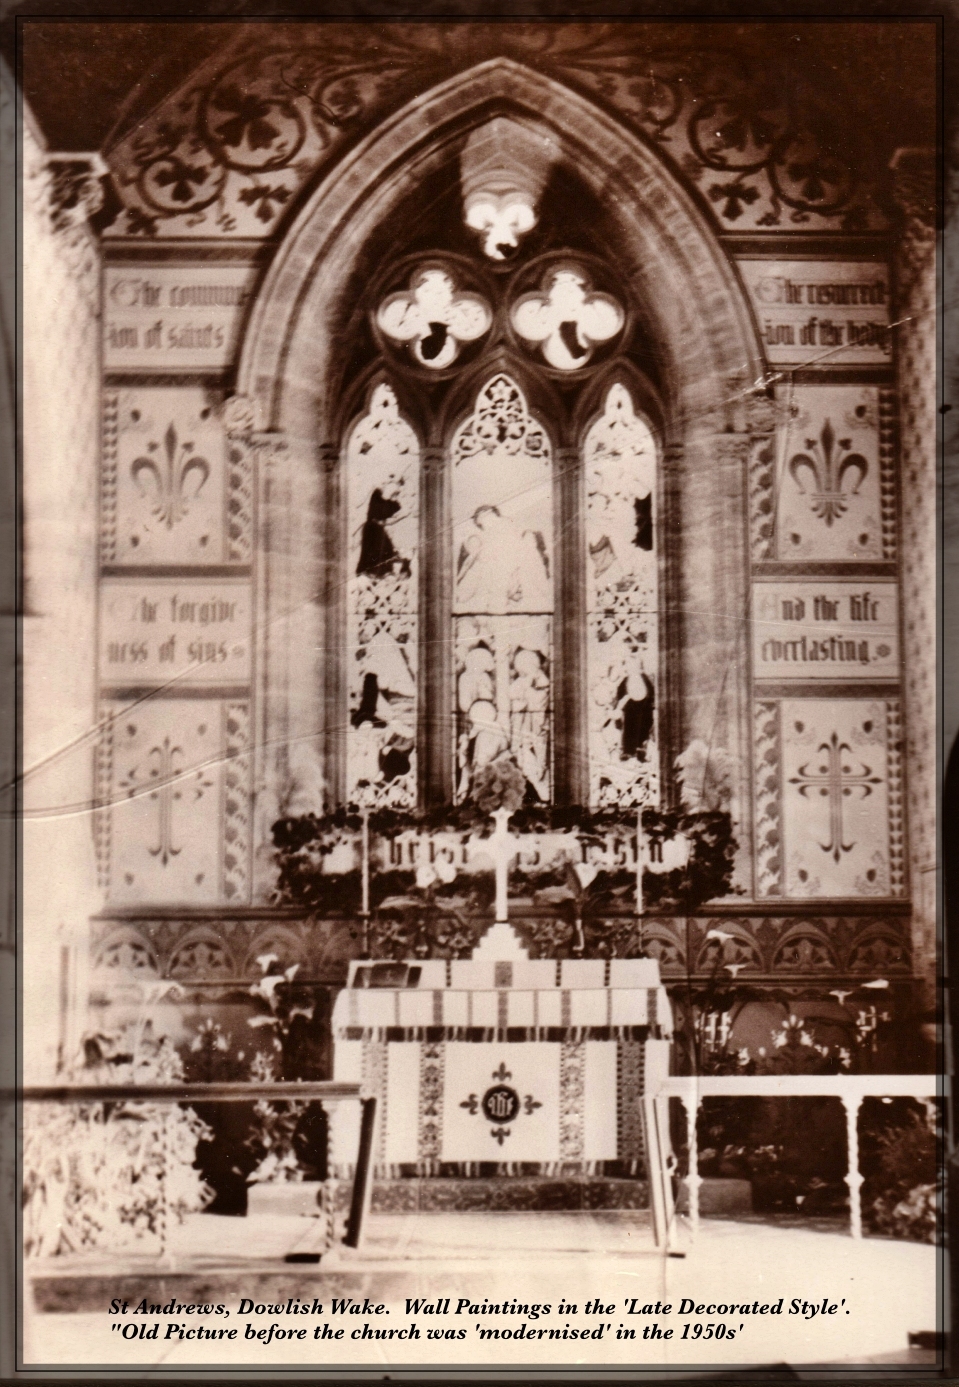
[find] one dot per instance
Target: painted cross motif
(163, 771)
(826, 473)
(165, 775)
(172, 484)
(836, 780)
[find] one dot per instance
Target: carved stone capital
(761, 414)
(269, 446)
(731, 447)
(240, 416)
(75, 188)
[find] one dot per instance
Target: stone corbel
(75, 188)
(241, 420)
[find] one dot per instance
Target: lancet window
(541, 539)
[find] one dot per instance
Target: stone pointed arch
(709, 335)
(703, 334)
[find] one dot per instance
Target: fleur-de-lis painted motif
(502, 1073)
(826, 473)
(836, 780)
(172, 483)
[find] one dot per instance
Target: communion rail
(850, 1089)
(326, 1091)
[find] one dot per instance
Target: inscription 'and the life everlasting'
(831, 630)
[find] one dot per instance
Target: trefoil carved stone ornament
(503, 170)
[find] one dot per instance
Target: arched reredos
(678, 269)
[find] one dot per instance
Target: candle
(639, 861)
(365, 870)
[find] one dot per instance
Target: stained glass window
(501, 499)
(619, 462)
(382, 486)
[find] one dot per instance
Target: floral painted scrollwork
(247, 124)
(244, 134)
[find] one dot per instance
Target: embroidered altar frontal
(482, 1065)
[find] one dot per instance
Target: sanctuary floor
(882, 1290)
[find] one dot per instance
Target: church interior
(479, 550)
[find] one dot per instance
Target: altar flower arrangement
(500, 785)
(288, 1138)
(688, 860)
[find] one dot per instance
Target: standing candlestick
(365, 868)
(639, 862)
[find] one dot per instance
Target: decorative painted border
(102, 814)
(767, 763)
(238, 520)
(236, 829)
(887, 471)
(630, 1084)
(762, 501)
(897, 832)
(108, 478)
(571, 1084)
(432, 1075)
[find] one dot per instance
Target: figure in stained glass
(377, 552)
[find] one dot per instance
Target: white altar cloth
(534, 1063)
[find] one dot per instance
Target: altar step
(437, 1194)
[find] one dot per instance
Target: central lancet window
(501, 540)
(502, 526)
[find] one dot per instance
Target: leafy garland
(446, 919)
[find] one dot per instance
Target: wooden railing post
(363, 1179)
(691, 1107)
(851, 1103)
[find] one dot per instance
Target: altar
(491, 1067)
